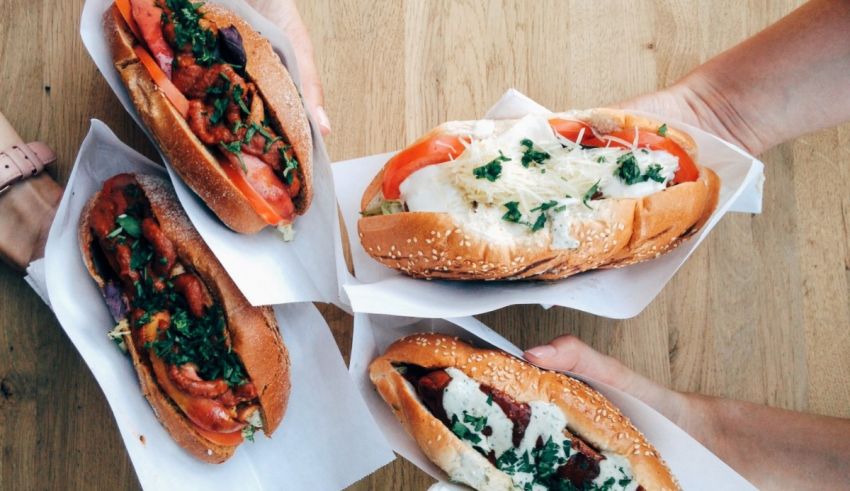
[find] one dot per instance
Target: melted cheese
(565, 178)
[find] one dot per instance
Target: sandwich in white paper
(327, 440)
(375, 288)
(692, 464)
(266, 269)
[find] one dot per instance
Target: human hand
(284, 14)
(570, 354)
(694, 101)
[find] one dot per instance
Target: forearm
(788, 80)
(772, 448)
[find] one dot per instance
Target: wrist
(26, 212)
(721, 107)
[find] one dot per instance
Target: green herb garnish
(491, 170)
(662, 130)
(588, 195)
(478, 422)
(529, 155)
(513, 214)
(130, 225)
(290, 165)
(237, 98)
(235, 147)
(186, 18)
(462, 432)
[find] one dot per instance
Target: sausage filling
(176, 325)
(528, 441)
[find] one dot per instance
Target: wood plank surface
(760, 312)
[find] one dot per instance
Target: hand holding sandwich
(773, 448)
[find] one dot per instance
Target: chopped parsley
(629, 171)
(478, 422)
(654, 172)
(529, 155)
(513, 214)
(489, 399)
(186, 18)
(662, 130)
(200, 341)
(237, 98)
(290, 165)
(235, 147)
(462, 432)
(219, 107)
(601, 159)
(248, 433)
(130, 225)
(491, 170)
(588, 195)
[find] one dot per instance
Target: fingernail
(322, 119)
(541, 352)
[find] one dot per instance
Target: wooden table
(760, 312)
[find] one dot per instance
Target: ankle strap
(19, 162)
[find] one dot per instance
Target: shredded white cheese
(563, 182)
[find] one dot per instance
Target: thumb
(569, 353)
(311, 83)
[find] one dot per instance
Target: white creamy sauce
(618, 467)
(567, 177)
(464, 400)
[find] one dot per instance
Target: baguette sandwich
(213, 368)
(540, 198)
(220, 105)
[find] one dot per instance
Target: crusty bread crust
(589, 414)
(253, 331)
(189, 157)
(621, 232)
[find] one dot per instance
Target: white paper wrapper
(327, 439)
(266, 269)
(378, 289)
(694, 466)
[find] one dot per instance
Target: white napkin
(266, 269)
(694, 466)
(327, 440)
(617, 293)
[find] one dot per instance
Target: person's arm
(285, 14)
(788, 80)
(26, 211)
(772, 448)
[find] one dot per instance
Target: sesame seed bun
(189, 157)
(590, 415)
(253, 331)
(621, 231)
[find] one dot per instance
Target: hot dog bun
(253, 331)
(589, 415)
(189, 157)
(622, 231)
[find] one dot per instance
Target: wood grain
(760, 312)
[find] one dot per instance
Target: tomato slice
(429, 150)
(687, 168)
(261, 186)
(225, 439)
(571, 129)
(148, 18)
(163, 82)
(126, 11)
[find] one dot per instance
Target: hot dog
(494, 422)
(213, 368)
(221, 106)
(540, 198)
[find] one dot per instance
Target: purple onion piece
(116, 302)
(230, 45)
